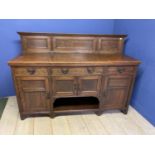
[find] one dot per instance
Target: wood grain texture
(33, 92)
(84, 59)
(60, 126)
(9, 117)
(111, 126)
(110, 123)
(24, 127)
(71, 43)
(74, 44)
(77, 125)
(69, 34)
(72, 66)
(42, 126)
(94, 125)
(141, 122)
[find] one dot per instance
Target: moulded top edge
(70, 34)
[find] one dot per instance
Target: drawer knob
(64, 70)
(121, 70)
(31, 71)
(90, 69)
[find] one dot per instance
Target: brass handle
(121, 70)
(90, 69)
(31, 71)
(64, 70)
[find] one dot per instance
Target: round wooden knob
(90, 69)
(64, 70)
(31, 71)
(121, 70)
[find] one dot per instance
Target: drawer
(76, 71)
(30, 71)
(120, 70)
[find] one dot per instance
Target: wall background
(140, 44)
(10, 41)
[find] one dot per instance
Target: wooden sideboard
(69, 73)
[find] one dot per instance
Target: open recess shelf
(76, 104)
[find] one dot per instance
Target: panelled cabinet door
(115, 93)
(89, 85)
(64, 86)
(34, 92)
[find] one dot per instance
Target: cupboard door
(64, 86)
(89, 85)
(34, 94)
(115, 93)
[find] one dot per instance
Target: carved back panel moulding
(71, 43)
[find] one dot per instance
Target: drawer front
(76, 71)
(120, 70)
(30, 71)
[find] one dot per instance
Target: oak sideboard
(69, 73)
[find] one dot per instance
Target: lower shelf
(76, 104)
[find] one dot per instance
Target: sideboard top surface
(73, 59)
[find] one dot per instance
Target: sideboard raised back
(71, 43)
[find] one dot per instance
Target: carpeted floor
(3, 102)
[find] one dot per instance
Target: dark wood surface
(68, 73)
(73, 60)
(69, 34)
(71, 43)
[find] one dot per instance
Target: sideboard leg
(99, 113)
(124, 111)
(53, 115)
(22, 117)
